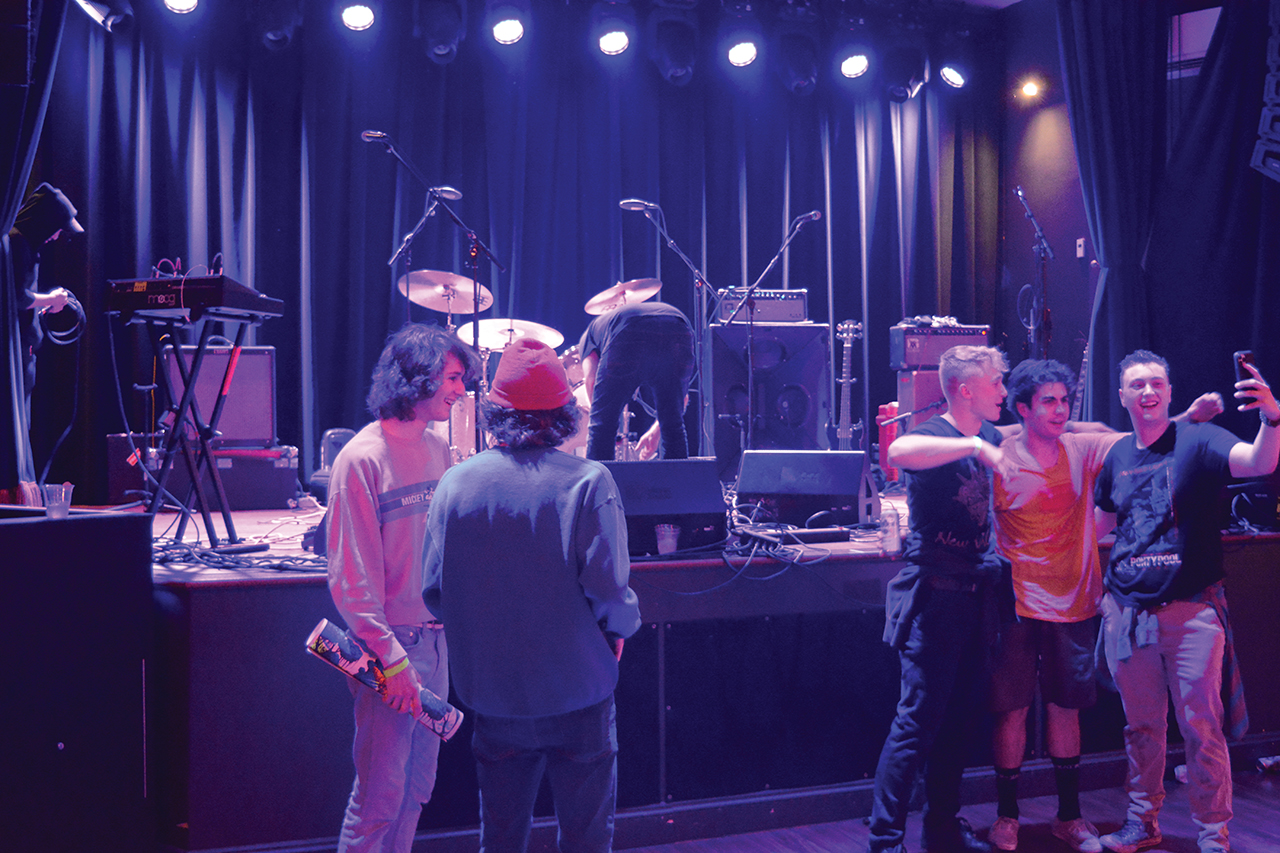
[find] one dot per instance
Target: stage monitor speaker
(831, 487)
(792, 406)
(249, 414)
(919, 391)
(683, 492)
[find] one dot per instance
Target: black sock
(1067, 773)
(1007, 791)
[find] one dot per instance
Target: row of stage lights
(895, 51)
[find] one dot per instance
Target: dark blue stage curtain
(1185, 229)
(193, 140)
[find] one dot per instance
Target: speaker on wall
(791, 388)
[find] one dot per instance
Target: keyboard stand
(195, 449)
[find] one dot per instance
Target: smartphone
(1242, 358)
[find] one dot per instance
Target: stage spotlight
(181, 7)
(507, 20)
(440, 24)
(740, 33)
(952, 54)
(358, 16)
(852, 55)
(673, 40)
(906, 69)
(275, 21)
(613, 25)
(113, 15)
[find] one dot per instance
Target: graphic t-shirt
(950, 509)
(1044, 525)
(1170, 511)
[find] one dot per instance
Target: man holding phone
(1164, 614)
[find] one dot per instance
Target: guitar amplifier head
(771, 306)
(914, 343)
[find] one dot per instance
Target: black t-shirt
(603, 330)
(1170, 511)
(950, 509)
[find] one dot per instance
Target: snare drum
(572, 361)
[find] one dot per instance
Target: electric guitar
(1077, 404)
(847, 332)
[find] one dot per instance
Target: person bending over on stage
(1164, 613)
(1045, 527)
(940, 609)
(43, 218)
(647, 345)
(379, 493)
(526, 564)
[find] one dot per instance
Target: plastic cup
(668, 537)
(57, 499)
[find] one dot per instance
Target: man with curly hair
(379, 493)
(526, 564)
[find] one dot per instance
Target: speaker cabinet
(919, 391)
(791, 388)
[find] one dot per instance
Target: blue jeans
(578, 751)
(395, 755)
(943, 678)
(654, 353)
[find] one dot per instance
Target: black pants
(654, 353)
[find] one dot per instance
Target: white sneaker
(1079, 833)
(1003, 834)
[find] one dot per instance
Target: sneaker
(1003, 834)
(1135, 835)
(954, 836)
(1079, 833)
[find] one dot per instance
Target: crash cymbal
(497, 333)
(446, 292)
(622, 293)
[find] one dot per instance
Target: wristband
(1262, 416)
(977, 446)
(398, 668)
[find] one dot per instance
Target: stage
(755, 695)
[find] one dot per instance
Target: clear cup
(57, 499)
(668, 537)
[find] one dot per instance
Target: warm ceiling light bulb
(1031, 89)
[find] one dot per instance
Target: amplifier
(253, 478)
(772, 306)
(916, 344)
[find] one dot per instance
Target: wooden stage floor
(1255, 828)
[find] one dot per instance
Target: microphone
(1018, 192)
(636, 204)
(811, 216)
(446, 192)
(372, 135)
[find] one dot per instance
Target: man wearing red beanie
(519, 538)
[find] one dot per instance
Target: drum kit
(450, 294)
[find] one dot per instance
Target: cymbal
(497, 333)
(446, 292)
(622, 293)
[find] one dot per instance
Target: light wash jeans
(1186, 660)
(395, 755)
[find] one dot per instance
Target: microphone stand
(1044, 253)
(701, 288)
(749, 300)
(475, 247)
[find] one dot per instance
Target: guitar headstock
(849, 331)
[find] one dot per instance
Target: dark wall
(1038, 155)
